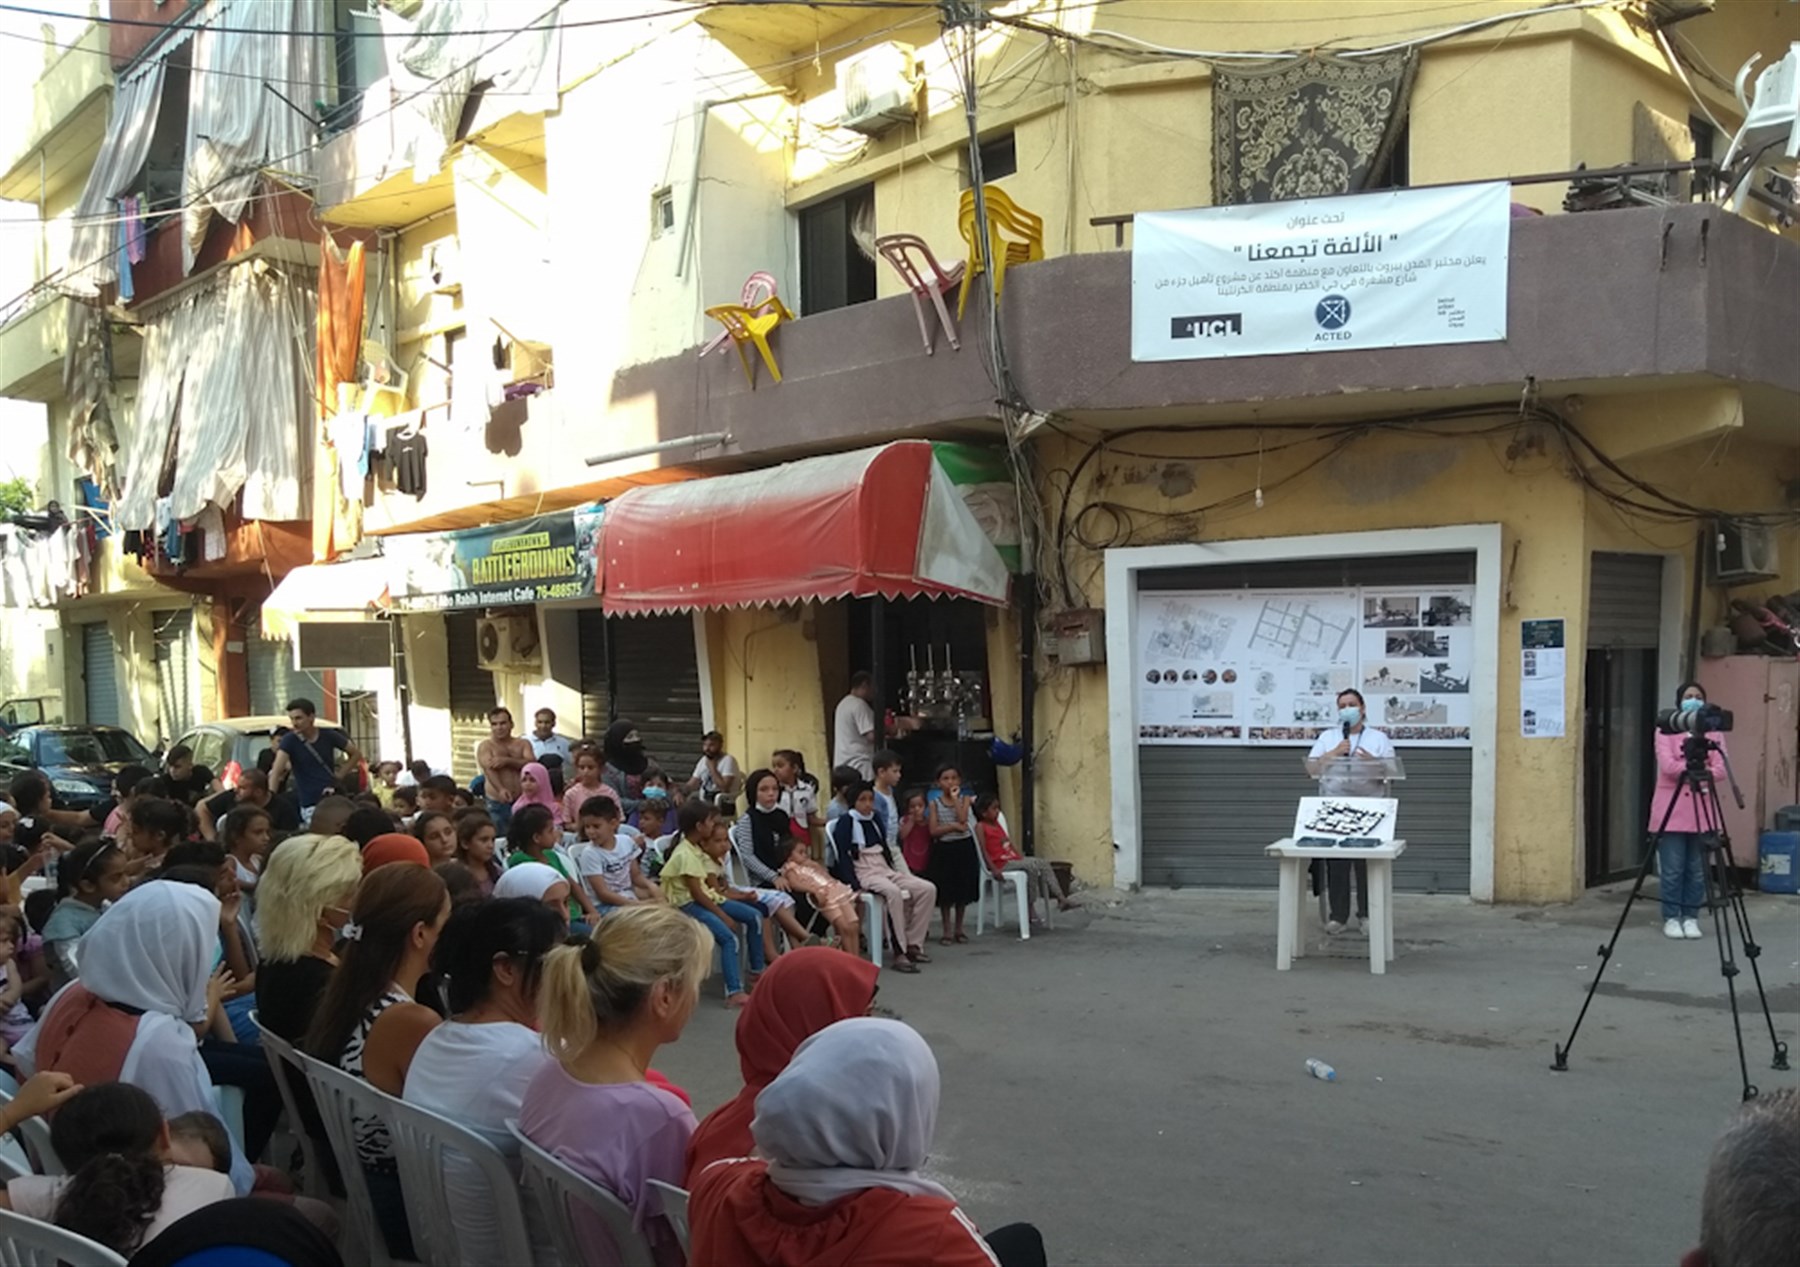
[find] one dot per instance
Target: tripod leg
(1718, 877)
(1734, 899)
(1563, 1049)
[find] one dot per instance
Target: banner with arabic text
(1398, 269)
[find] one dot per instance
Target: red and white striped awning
(886, 520)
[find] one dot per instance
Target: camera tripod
(1724, 902)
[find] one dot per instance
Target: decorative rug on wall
(1307, 127)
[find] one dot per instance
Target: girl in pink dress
(834, 899)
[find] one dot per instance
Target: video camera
(1708, 717)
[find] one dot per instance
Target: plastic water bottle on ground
(1320, 1070)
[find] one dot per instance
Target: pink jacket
(1669, 767)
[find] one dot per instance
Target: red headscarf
(393, 847)
(805, 990)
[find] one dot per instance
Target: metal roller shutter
(471, 696)
(590, 637)
(174, 642)
(657, 685)
(270, 669)
(1206, 821)
(100, 675)
(1207, 812)
(1624, 601)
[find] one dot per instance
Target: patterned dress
(374, 1146)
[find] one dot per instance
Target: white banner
(1408, 267)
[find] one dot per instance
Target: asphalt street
(1133, 1082)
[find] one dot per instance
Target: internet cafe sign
(1395, 269)
(543, 559)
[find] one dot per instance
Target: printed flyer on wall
(1266, 666)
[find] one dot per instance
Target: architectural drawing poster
(1266, 666)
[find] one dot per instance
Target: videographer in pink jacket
(1680, 857)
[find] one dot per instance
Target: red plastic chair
(923, 277)
(759, 289)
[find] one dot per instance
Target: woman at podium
(1350, 759)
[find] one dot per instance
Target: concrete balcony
(1671, 325)
(366, 181)
(50, 142)
(31, 351)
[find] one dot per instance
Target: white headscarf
(856, 1108)
(529, 879)
(154, 949)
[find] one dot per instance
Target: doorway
(1620, 693)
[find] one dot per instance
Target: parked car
(28, 710)
(232, 745)
(80, 761)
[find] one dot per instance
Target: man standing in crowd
(307, 752)
(252, 790)
(182, 780)
(717, 775)
(501, 756)
(545, 742)
(854, 734)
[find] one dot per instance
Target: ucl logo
(1210, 326)
(1332, 313)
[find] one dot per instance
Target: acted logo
(1211, 326)
(1333, 314)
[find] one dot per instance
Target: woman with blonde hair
(303, 900)
(606, 1003)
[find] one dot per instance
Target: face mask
(1692, 705)
(1350, 715)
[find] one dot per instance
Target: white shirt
(854, 744)
(800, 801)
(1369, 740)
(475, 1075)
(728, 769)
(613, 866)
(555, 745)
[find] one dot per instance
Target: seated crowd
(493, 964)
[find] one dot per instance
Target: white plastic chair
(557, 1189)
(427, 1146)
(342, 1098)
(34, 1134)
(15, 1162)
(990, 893)
(282, 1059)
(674, 1208)
(27, 1242)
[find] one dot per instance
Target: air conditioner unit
(1741, 555)
(878, 88)
(507, 642)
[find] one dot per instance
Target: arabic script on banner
(1404, 268)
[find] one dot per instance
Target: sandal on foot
(740, 999)
(904, 964)
(946, 941)
(962, 939)
(917, 954)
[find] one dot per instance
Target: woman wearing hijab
(537, 882)
(535, 788)
(802, 992)
(845, 1128)
(393, 846)
(146, 982)
(761, 834)
(626, 762)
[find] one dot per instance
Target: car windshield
(88, 747)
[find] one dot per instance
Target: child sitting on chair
(778, 906)
(833, 899)
(1000, 857)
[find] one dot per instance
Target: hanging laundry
(136, 235)
(127, 291)
(211, 526)
(406, 453)
(349, 435)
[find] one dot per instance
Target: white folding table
(1290, 944)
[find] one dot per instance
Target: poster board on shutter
(1266, 666)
